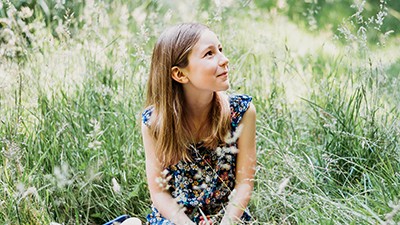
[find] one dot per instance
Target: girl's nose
(223, 61)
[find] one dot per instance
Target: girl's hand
(205, 222)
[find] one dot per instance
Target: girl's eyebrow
(206, 49)
(211, 46)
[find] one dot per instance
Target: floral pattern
(204, 186)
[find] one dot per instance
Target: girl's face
(207, 69)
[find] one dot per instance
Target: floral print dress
(205, 185)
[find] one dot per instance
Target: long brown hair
(168, 123)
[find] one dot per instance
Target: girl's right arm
(161, 198)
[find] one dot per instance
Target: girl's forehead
(207, 38)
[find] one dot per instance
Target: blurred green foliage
(318, 15)
(70, 138)
(51, 9)
(377, 18)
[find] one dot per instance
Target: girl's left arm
(245, 169)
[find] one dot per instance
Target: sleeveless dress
(203, 186)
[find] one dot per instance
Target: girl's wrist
(189, 222)
(225, 221)
(185, 222)
(183, 219)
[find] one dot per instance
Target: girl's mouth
(223, 74)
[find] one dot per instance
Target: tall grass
(71, 151)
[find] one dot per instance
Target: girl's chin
(225, 87)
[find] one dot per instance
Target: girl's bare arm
(245, 169)
(161, 198)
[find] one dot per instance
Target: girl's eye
(209, 53)
(220, 49)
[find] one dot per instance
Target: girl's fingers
(204, 222)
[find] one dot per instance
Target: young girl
(199, 143)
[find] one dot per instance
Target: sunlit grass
(327, 129)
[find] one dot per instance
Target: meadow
(325, 84)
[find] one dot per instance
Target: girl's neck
(197, 113)
(198, 107)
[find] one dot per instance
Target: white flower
(197, 175)
(59, 4)
(232, 195)
(94, 135)
(230, 139)
(139, 14)
(62, 175)
(55, 223)
(95, 145)
(163, 182)
(225, 166)
(30, 191)
(158, 180)
(283, 185)
(231, 149)
(196, 188)
(116, 186)
(20, 188)
(25, 12)
(164, 172)
(219, 151)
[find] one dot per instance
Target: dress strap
(239, 105)
(146, 115)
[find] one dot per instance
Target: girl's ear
(178, 75)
